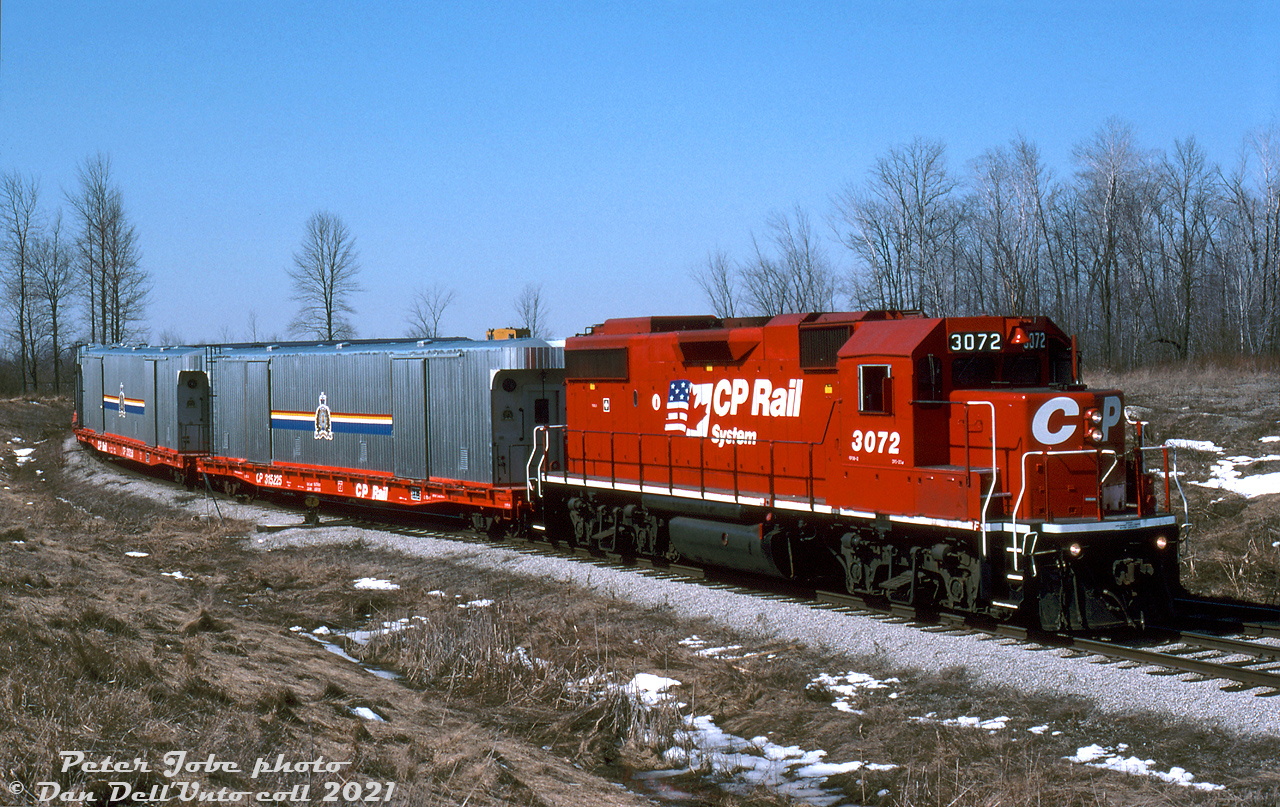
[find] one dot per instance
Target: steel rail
(1243, 675)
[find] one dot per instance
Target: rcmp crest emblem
(324, 423)
(120, 406)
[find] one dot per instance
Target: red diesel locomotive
(949, 463)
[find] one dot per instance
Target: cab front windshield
(1041, 368)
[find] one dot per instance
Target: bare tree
(427, 309)
(1111, 173)
(1186, 217)
(794, 275)
(900, 228)
(324, 278)
(114, 282)
(765, 282)
(54, 278)
(170, 336)
(1005, 223)
(787, 273)
(19, 217)
(717, 279)
(251, 326)
(531, 310)
(809, 279)
(1250, 251)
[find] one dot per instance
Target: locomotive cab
(1069, 528)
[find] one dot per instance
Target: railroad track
(1245, 664)
(1244, 618)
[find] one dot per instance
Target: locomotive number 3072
(974, 342)
(875, 442)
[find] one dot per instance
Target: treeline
(1146, 256)
(51, 267)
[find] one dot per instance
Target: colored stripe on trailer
(340, 422)
(132, 406)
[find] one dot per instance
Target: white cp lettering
(737, 390)
(1040, 423)
(1110, 415)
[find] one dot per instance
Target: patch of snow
(1270, 439)
(337, 651)
(136, 554)
(178, 575)
(650, 689)
(747, 764)
(993, 724)
(1226, 476)
(24, 455)
(475, 603)
(367, 713)
(521, 656)
(394, 626)
(374, 584)
(323, 630)
(846, 686)
(1096, 756)
(727, 652)
(1194, 445)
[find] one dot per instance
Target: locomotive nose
(1081, 420)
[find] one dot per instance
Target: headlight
(1161, 542)
(1094, 416)
(1075, 550)
(1095, 435)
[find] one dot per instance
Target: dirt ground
(102, 653)
(204, 645)
(1232, 547)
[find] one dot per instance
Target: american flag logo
(678, 406)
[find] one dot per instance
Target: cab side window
(875, 390)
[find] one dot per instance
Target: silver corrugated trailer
(444, 409)
(157, 396)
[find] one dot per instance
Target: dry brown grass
(1228, 545)
(97, 651)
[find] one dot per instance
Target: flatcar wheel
(312, 517)
(484, 524)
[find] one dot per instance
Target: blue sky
(600, 149)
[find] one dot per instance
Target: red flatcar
(953, 463)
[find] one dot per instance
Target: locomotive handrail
(529, 474)
(995, 469)
(968, 463)
(1096, 452)
(1168, 504)
(735, 471)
